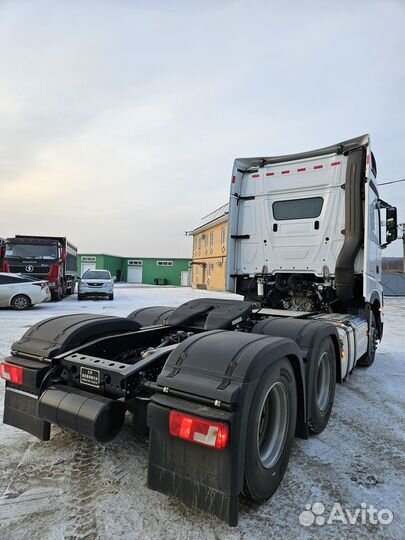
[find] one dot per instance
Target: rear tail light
(42, 284)
(12, 373)
(198, 430)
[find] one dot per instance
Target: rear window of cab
(298, 208)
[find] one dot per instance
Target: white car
(21, 292)
(96, 283)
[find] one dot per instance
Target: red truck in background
(47, 257)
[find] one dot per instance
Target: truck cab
(45, 257)
(305, 230)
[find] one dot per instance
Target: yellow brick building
(209, 250)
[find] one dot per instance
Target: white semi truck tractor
(221, 387)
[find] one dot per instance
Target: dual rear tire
(368, 359)
(270, 432)
(273, 416)
(322, 378)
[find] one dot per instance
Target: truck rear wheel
(71, 289)
(367, 359)
(270, 432)
(57, 294)
(324, 385)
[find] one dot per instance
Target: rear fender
(57, 335)
(224, 367)
(308, 334)
(151, 315)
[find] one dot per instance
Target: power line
(392, 182)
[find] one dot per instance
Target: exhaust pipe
(354, 225)
(91, 415)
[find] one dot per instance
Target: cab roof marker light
(303, 169)
(270, 174)
(285, 172)
(255, 175)
(233, 179)
(318, 167)
(335, 164)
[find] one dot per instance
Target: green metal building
(146, 270)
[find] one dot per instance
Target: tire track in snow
(85, 490)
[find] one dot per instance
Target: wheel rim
(373, 339)
(20, 302)
(323, 381)
(273, 425)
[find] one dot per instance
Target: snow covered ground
(73, 488)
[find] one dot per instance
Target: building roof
(133, 258)
(213, 217)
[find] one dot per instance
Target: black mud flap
(189, 471)
(224, 368)
(20, 411)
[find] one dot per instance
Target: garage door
(185, 279)
(134, 274)
(88, 266)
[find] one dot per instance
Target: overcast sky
(120, 120)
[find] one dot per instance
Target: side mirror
(391, 230)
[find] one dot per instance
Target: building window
(210, 270)
(134, 262)
(223, 236)
(88, 259)
(199, 242)
(212, 238)
(164, 263)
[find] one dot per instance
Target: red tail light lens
(198, 430)
(12, 373)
